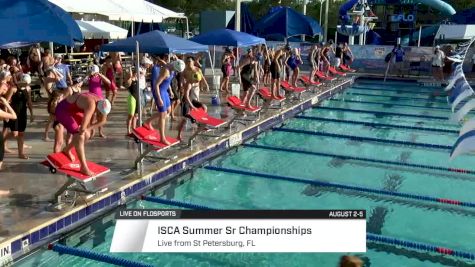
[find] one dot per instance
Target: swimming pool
(394, 137)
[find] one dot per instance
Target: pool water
(413, 220)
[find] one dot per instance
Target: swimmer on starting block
(75, 113)
(162, 98)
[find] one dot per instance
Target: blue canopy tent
(247, 21)
(226, 37)
(284, 23)
(155, 42)
(36, 21)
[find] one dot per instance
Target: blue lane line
(387, 104)
(393, 90)
(397, 98)
(414, 88)
(96, 256)
(422, 198)
(383, 239)
(383, 113)
(373, 124)
(364, 139)
(362, 159)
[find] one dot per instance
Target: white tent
(455, 32)
(125, 10)
(101, 29)
(103, 7)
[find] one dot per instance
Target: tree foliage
(192, 8)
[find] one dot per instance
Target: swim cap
(104, 106)
(26, 78)
(197, 76)
(77, 80)
(94, 69)
(178, 65)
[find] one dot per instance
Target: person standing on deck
(438, 63)
(399, 54)
(191, 97)
(249, 74)
(162, 97)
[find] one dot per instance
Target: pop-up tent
(455, 32)
(226, 37)
(100, 30)
(156, 42)
(286, 22)
(27, 21)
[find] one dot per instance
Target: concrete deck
(28, 186)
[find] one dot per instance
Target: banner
(142, 230)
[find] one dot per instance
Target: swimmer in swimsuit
(275, 69)
(6, 113)
(162, 98)
(191, 98)
(76, 114)
(111, 87)
(249, 73)
(293, 62)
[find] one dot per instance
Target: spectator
(350, 261)
(66, 78)
(399, 54)
(438, 64)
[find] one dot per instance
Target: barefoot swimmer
(75, 113)
(162, 98)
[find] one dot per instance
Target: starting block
(333, 71)
(241, 110)
(204, 121)
(309, 83)
(288, 88)
(76, 182)
(320, 75)
(346, 68)
(152, 139)
(266, 95)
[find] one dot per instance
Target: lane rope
(173, 202)
(347, 157)
(383, 113)
(374, 124)
(386, 104)
(92, 255)
(384, 240)
(397, 98)
(424, 198)
(390, 90)
(364, 139)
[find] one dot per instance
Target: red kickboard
(236, 103)
(200, 116)
(152, 137)
(265, 93)
(63, 164)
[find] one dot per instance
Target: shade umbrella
(29, 21)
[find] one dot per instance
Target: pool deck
(27, 187)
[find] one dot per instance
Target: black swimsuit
(19, 105)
